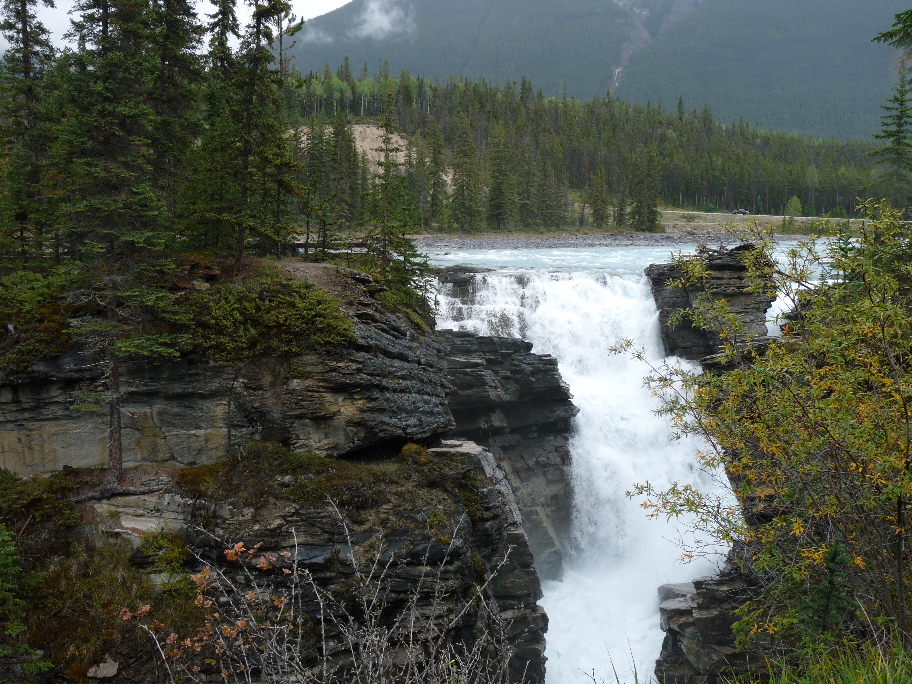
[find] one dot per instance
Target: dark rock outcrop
(394, 383)
(727, 280)
(697, 618)
(515, 403)
(426, 574)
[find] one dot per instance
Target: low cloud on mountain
(382, 19)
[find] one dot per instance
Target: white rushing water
(574, 305)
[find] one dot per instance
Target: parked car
(742, 212)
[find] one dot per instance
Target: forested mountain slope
(806, 66)
(494, 39)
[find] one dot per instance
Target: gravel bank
(430, 244)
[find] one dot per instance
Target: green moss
(73, 612)
(167, 551)
(30, 502)
(29, 302)
(199, 480)
(410, 304)
(468, 494)
(478, 565)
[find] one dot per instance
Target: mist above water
(604, 611)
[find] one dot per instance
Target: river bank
(430, 244)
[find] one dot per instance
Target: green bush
(269, 315)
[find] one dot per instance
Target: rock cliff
(444, 522)
(697, 617)
(726, 280)
(387, 388)
(186, 424)
(514, 403)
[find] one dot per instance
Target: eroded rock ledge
(727, 280)
(394, 384)
(697, 618)
(515, 403)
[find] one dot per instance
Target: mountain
(803, 66)
(493, 39)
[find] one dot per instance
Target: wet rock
(515, 403)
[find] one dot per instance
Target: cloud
(317, 36)
(383, 18)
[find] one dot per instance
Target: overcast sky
(58, 21)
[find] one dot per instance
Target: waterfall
(603, 612)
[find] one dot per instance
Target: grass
(866, 666)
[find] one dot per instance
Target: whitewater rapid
(574, 305)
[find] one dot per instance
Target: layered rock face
(387, 388)
(726, 281)
(425, 575)
(699, 645)
(394, 384)
(514, 403)
(697, 618)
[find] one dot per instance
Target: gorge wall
(500, 500)
(697, 617)
(726, 279)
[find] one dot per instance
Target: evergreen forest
(156, 127)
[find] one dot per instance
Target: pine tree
(529, 175)
(896, 132)
(344, 171)
(598, 200)
(223, 27)
(620, 207)
(265, 164)
(393, 219)
(176, 34)
(115, 215)
(644, 212)
(436, 170)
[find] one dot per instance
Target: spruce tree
(393, 219)
(598, 200)
(265, 165)
(895, 155)
(529, 186)
(436, 170)
(344, 170)
(176, 34)
(620, 207)
(115, 216)
(644, 212)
